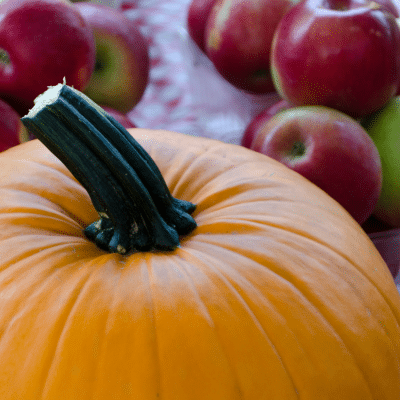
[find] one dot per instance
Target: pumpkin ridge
(306, 298)
(253, 316)
(45, 195)
(187, 254)
(204, 159)
(28, 303)
(360, 270)
(86, 285)
(102, 340)
(58, 343)
(199, 261)
(149, 267)
(30, 252)
(236, 248)
(315, 239)
(45, 226)
(233, 287)
(12, 268)
(182, 166)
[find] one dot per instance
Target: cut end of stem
(48, 97)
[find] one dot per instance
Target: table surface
(176, 98)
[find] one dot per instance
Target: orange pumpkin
(277, 294)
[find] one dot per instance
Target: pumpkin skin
(277, 294)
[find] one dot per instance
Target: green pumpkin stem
(137, 211)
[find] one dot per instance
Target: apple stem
(137, 211)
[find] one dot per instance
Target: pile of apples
(336, 67)
(97, 49)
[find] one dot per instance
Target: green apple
(384, 128)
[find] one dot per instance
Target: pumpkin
(277, 294)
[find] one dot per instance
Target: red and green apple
(121, 72)
(260, 119)
(197, 17)
(238, 40)
(330, 149)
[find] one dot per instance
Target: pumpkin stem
(137, 211)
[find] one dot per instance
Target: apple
(330, 149)
(12, 130)
(41, 42)
(238, 38)
(260, 119)
(384, 129)
(343, 54)
(389, 6)
(197, 17)
(120, 117)
(122, 66)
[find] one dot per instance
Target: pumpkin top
(277, 294)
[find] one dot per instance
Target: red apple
(260, 119)
(389, 6)
(41, 42)
(330, 149)
(197, 17)
(122, 60)
(343, 54)
(12, 130)
(120, 117)
(238, 41)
